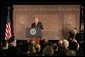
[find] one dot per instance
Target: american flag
(8, 28)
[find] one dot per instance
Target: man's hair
(11, 39)
(75, 28)
(48, 51)
(73, 46)
(35, 17)
(60, 42)
(71, 53)
(65, 43)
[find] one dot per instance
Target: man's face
(75, 31)
(36, 20)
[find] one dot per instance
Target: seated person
(12, 47)
(74, 34)
(48, 51)
(62, 47)
(73, 44)
(71, 53)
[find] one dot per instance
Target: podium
(33, 33)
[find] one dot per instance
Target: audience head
(45, 40)
(60, 42)
(38, 47)
(14, 43)
(65, 43)
(28, 40)
(48, 51)
(73, 45)
(74, 30)
(71, 53)
(55, 47)
(33, 42)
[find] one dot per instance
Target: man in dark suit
(76, 45)
(37, 24)
(74, 34)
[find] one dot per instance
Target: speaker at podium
(33, 33)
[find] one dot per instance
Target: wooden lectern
(34, 34)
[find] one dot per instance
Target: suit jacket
(77, 36)
(39, 25)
